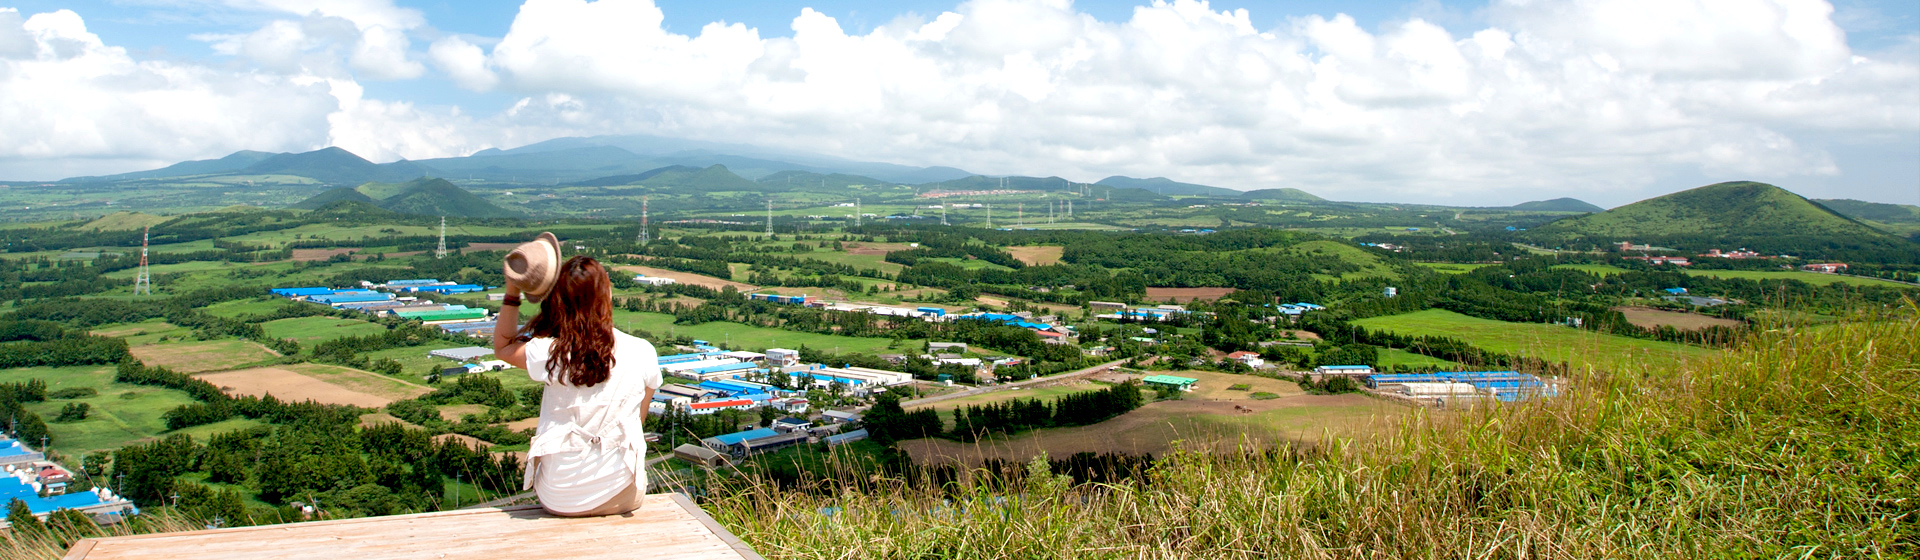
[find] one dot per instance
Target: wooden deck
(665, 526)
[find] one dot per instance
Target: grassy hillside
(1799, 444)
(331, 196)
(1577, 348)
(1759, 216)
(437, 197)
(124, 221)
(1166, 186)
(1884, 213)
(1557, 205)
(1284, 195)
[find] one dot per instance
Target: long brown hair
(578, 316)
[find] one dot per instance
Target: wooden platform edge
(746, 552)
(81, 548)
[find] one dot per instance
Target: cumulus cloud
(1589, 93)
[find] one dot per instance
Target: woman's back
(588, 447)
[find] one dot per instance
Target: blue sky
(1446, 102)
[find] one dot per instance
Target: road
(1005, 386)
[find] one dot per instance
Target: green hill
(1165, 186)
(331, 196)
(233, 162)
(1283, 195)
(1557, 205)
(336, 166)
(1759, 216)
(1883, 213)
(124, 221)
(437, 197)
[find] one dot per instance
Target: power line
(143, 283)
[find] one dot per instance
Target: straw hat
(534, 266)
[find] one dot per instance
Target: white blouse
(589, 446)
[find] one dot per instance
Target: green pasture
(190, 266)
(1814, 278)
(1390, 357)
(247, 307)
(870, 262)
(1576, 347)
(120, 413)
(142, 333)
(969, 264)
(746, 337)
(1596, 269)
(1454, 268)
(313, 330)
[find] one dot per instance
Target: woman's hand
(510, 290)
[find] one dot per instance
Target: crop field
(1153, 428)
(361, 381)
(857, 258)
(1390, 357)
(969, 264)
(1549, 342)
(747, 337)
(246, 307)
(288, 385)
(1037, 255)
(687, 277)
(1814, 278)
(174, 268)
(1650, 317)
(120, 413)
(1597, 269)
(144, 332)
(1454, 268)
(195, 357)
(313, 330)
(1183, 295)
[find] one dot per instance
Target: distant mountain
(1759, 216)
(636, 178)
(1557, 205)
(746, 160)
(1163, 185)
(425, 196)
(682, 179)
(437, 197)
(1284, 195)
(233, 162)
(1015, 183)
(1879, 212)
(1134, 195)
(331, 196)
(808, 181)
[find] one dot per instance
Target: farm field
(968, 264)
(195, 357)
(120, 413)
(1598, 269)
(287, 384)
(687, 277)
(1549, 342)
(1184, 295)
(866, 257)
(309, 331)
(746, 337)
(1650, 317)
(1390, 357)
(1454, 268)
(1814, 278)
(1152, 429)
(144, 332)
(1037, 255)
(246, 307)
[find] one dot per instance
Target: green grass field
(1814, 278)
(870, 262)
(1599, 269)
(1453, 268)
(747, 337)
(1550, 342)
(246, 307)
(969, 264)
(312, 330)
(121, 413)
(1390, 357)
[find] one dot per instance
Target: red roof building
(1825, 268)
(716, 406)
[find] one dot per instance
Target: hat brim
(543, 286)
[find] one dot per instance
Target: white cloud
(1585, 94)
(1594, 98)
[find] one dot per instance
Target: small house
(1170, 381)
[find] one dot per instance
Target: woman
(586, 457)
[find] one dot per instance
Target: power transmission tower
(1049, 211)
(769, 219)
(943, 213)
(1020, 215)
(143, 282)
(989, 216)
(1069, 208)
(643, 221)
(856, 210)
(441, 252)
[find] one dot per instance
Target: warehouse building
(1170, 381)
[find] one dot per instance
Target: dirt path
(689, 278)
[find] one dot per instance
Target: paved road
(1005, 386)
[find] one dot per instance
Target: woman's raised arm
(507, 346)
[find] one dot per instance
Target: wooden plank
(665, 526)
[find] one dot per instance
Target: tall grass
(1800, 443)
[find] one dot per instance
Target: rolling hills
(1883, 213)
(1557, 205)
(1281, 195)
(1165, 186)
(425, 196)
(1759, 216)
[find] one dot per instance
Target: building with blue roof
(303, 292)
(340, 298)
(1009, 319)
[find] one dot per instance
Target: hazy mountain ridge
(1562, 204)
(1165, 186)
